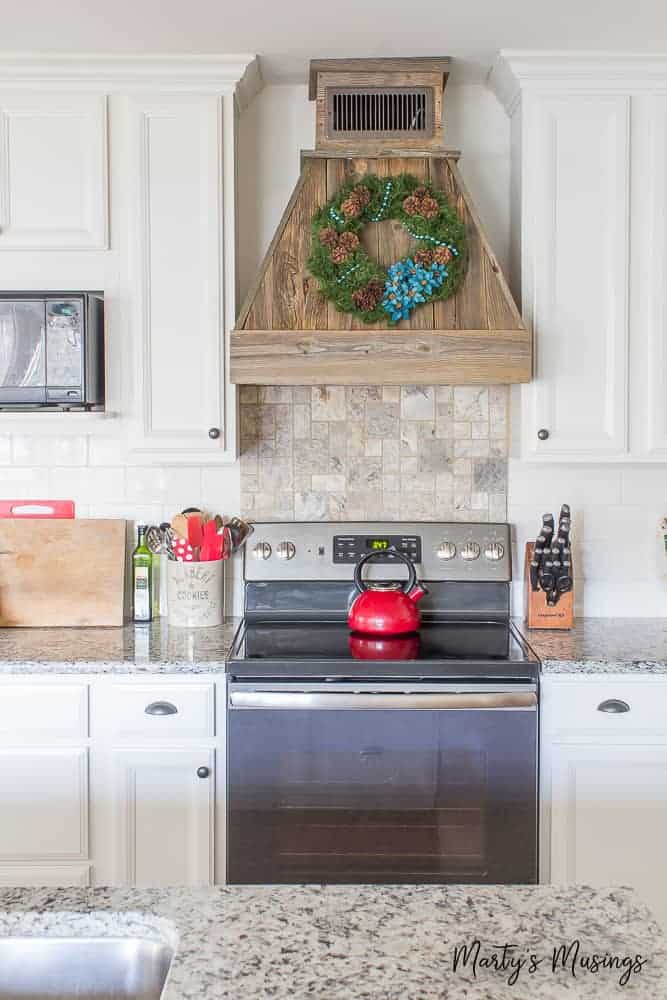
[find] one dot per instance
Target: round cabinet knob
(262, 550)
(446, 550)
(214, 433)
(203, 772)
(286, 550)
(543, 434)
(470, 551)
(494, 551)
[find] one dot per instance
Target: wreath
(356, 283)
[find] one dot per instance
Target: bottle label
(142, 595)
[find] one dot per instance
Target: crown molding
(179, 72)
(516, 71)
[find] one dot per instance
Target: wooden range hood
(288, 334)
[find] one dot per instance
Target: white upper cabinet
(576, 261)
(590, 157)
(175, 275)
(53, 171)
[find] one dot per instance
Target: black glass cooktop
(328, 648)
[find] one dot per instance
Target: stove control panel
(330, 550)
(350, 548)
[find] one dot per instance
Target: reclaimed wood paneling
(296, 297)
(288, 334)
(350, 357)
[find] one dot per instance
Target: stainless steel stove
(363, 759)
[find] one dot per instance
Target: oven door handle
(351, 700)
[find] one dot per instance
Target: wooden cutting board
(61, 572)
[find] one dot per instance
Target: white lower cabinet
(118, 783)
(164, 805)
(604, 785)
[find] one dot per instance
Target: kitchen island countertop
(601, 646)
(376, 943)
(155, 648)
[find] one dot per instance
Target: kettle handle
(407, 586)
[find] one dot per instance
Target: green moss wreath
(356, 283)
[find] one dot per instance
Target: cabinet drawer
(159, 711)
(43, 713)
(606, 706)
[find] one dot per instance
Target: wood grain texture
(475, 336)
(61, 573)
(296, 297)
(439, 65)
(349, 357)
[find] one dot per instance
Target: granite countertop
(376, 943)
(602, 646)
(134, 649)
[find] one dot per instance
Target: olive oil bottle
(142, 578)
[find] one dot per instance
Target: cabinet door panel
(649, 311)
(576, 239)
(164, 823)
(609, 818)
(40, 875)
(175, 275)
(44, 796)
(53, 171)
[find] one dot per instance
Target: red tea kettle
(386, 608)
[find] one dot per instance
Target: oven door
(344, 785)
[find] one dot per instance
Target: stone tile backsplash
(374, 452)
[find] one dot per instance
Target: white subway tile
(221, 489)
(106, 450)
(5, 449)
(50, 450)
(548, 486)
(644, 485)
(89, 485)
(178, 487)
(23, 483)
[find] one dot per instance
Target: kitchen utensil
(195, 533)
(183, 551)
(211, 543)
(226, 544)
(154, 539)
(179, 524)
(239, 530)
(168, 536)
(59, 509)
(385, 608)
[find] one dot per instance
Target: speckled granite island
(602, 646)
(376, 943)
(133, 649)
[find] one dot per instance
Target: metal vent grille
(380, 112)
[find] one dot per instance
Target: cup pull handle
(161, 708)
(614, 706)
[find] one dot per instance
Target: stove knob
(494, 551)
(262, 550)
(470, 551)
(286, 550)
(447, 550)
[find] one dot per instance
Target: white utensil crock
(195, 593)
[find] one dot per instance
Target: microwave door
(22, 352)
(64, 350)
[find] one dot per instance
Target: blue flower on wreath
(408, 285)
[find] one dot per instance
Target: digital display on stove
(351, 548)
(377, 544)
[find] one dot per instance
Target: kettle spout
(417, 592)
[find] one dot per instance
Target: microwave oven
(52, 350)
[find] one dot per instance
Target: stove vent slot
(379, 112)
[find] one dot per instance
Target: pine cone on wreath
(424, 257)
(351, 208)
(339, 255)
(328, 237)
(368, 297)
(349, 241)
(442, 255)
(429, 208)
(411, 205)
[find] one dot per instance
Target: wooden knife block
(537, 613)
